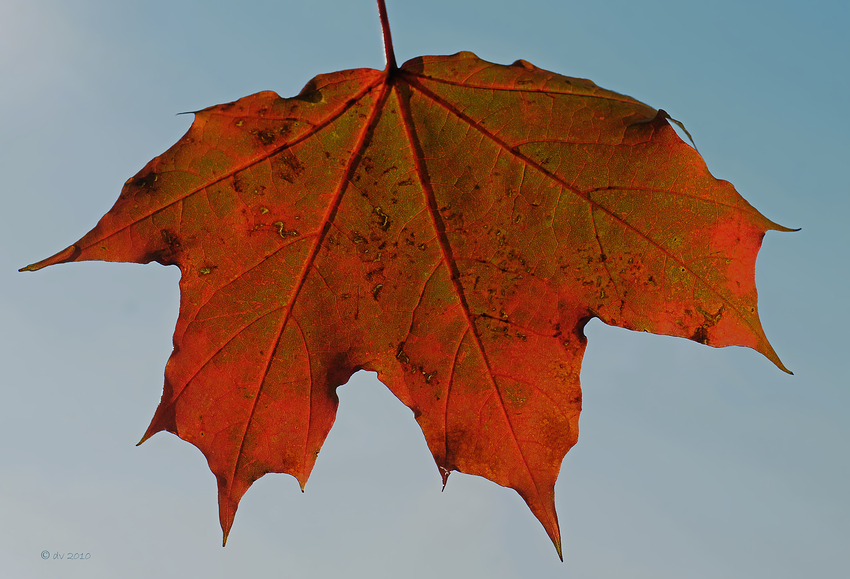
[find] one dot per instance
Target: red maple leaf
(451, 224)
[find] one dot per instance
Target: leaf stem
(388, 39)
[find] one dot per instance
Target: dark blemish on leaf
(282, 231)
(423, 247)
(285, 129)
(358, 238)
(339, 370)
(286, 166)
(376, 291)
(146, 181)
(309, 93)
(372, 273)
(167, 255)
(429, 376)
(266, 137)
(327, 155)
(700, 335)
(169, 238)
(385, 220)
(400, 355)
(406, 182)
(711, 320)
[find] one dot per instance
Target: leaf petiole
(388, 39)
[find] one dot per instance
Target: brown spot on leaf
(286, 166)
(400, 355)
(147, 182)
(266, 137)
(383, 218)
(700, 335)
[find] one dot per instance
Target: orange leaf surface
(451, 224)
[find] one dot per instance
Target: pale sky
(692, 461)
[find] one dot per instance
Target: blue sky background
(692, 462)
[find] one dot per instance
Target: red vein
(334, 115)
(751, 210)
(448, 258)
(333, 207)
(602, 252)
(448, 392)
(463, 84)
(309, 390)
(582, 195)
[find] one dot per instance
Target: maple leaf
(451, 224)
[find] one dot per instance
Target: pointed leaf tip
(65, 255)
(444, 472)
(226, 520)
(769, 353)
